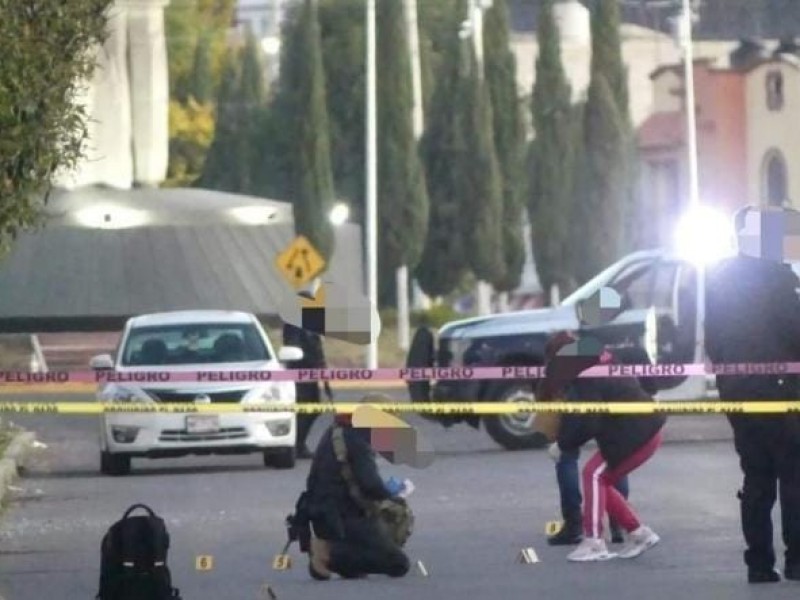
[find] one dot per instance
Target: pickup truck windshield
(591, 286)
(188, 344)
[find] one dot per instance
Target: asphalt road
(476, 507)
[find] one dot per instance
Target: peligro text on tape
(404, 374)
(472, 408)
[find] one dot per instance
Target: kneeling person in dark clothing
(349, 539)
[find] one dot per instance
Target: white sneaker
(590, 549)
(640, 540)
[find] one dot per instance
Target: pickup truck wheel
(513, 432)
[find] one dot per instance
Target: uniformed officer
(753, 316)
(307, 392)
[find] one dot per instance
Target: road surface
(476, 507)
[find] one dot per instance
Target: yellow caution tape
(444, 408)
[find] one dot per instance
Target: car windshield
(187, 344)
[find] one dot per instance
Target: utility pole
(372, 179)
(685, 28)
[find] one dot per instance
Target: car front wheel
(114, 464)
(514, 431)
(280, 458)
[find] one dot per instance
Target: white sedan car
(217, 342)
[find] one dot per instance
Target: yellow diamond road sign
(300, 263)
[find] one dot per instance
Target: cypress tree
(343, 34)
(311, 176)
(601, 208)
(402, 195)
(201, 77)
(551, 196)
(607, 53)
(607, 60)
(224, 169)
(251, 84)
(509, 139)
(252, 99)
(482, 197)
(275, 139)
(443, 263)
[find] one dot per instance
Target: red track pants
(600, 495)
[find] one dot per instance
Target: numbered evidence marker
(552, 528)
(204, 562)
(527, 556)
(300, 263)
(282, 562)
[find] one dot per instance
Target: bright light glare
(110, 217)
(271, 45)
(704, 236)
(253, 215)
(339, 214)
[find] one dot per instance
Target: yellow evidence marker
(204, 562)
(553, 527)
(282, 562)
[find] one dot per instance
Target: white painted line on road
(422, 569)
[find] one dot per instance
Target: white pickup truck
(654, 282)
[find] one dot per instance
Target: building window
(774, 176)
(775, 90)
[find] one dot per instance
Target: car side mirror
(290, 354)
(102, 362)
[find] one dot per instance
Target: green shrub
(435, 317)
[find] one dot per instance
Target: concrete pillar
(127, 102)
(149, 79)
(106, 97)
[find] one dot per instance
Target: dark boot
(571, 533)
(320, 557)
(792, 572)
(763, 576)
(304, 453)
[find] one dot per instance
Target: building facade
(748, 136)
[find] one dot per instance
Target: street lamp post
(687, 22)
(372, 180)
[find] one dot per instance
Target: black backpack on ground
(134, 559)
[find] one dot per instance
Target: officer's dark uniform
(753, 316)
(357, 545)
(314, 358)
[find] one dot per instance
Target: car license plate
(202, 424)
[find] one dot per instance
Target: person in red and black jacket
(624, 443)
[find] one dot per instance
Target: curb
(11, 464)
